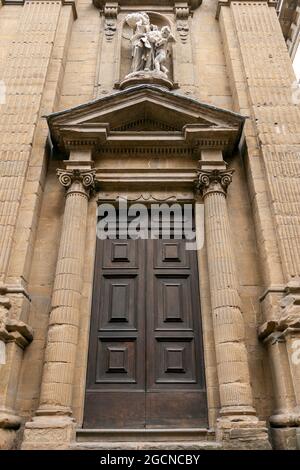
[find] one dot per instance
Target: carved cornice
(213, 181)
(289, 317)
(193, 4)
(77, 181)
(108, 120)
(13, 289)
(227, 3)
(64, 2)
(16, 331)
(11, 329)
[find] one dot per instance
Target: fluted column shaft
(57, 383)
(232, 362)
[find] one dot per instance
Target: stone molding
(213, 181)
(64, 2)
(227, 3)
(289, 319)
(12, 329)
(86, 126)
(193, 4)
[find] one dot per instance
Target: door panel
(176, 395)
(115, 393)
(118, 303)
(145, 365)
(185, 410)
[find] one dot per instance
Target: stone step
(145, 439)
(147, 445)
(142, 435)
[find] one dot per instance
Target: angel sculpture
(149, 44)
(161, 46)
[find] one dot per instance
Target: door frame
(211, 379)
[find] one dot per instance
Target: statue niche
(146, 54)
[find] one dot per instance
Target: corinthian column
(57, 383)
(55, 410)
(232, 362)
(237, 409)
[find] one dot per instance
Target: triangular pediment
(144, 110)
(145, 124)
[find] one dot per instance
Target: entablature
(129, 4)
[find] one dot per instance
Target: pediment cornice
(145, 115)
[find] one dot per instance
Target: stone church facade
(142, 344)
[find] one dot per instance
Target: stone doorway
(146, 366)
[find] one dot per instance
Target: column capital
(75, 180)
(213, 181)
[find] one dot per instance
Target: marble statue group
(149, 44)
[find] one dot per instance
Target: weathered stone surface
(56, 55)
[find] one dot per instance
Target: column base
(49, 433)
(250, 434)
(8, 419)
(238, 413)
(285, 438)
(285, 419)
(9, 424)
(8, 438)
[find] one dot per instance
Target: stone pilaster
(28, 57)
(184, 62)
(55, 410)
(282, 337)
(289, 326)
(237, 415)
(109, 49)
(262, 81)
(15, 336)
(24, 75)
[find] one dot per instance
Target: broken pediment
(145, 114)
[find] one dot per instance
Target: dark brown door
(145, 366)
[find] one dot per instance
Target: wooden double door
(145, 366)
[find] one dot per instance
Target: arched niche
(126, 48)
